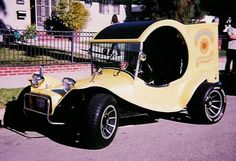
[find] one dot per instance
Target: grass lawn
(38, 55)
(7, 94)
(18, 57)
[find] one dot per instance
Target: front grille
(37, 103)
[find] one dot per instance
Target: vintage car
(162, 66)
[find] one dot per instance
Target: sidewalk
(222, 61)
(2, 112)
(20, 81)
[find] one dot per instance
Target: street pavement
(169, 137)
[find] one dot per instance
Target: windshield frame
(139, 60)
(137, 64)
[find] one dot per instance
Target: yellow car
(162, 66)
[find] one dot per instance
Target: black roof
(126, 30)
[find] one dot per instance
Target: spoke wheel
(207, 104)
(214, 104)
(108, 122)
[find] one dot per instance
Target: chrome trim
(48, 108)
(138, 62)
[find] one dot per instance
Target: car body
(162, 66)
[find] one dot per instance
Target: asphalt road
(168, 138)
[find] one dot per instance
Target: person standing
(231, 51)
(114, 46)
(114, 19)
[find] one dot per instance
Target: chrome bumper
(39, 104)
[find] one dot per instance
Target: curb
(20, 81)
(2, 112)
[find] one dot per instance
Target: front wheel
(14, 116)
(103, 120)
(208, 104)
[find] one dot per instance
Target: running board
(132, 114)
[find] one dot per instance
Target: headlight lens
(37, 80)
(68, 83)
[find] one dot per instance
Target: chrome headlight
(37, 80)
(68, 83)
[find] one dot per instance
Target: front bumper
(39, 104)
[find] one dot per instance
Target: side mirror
(142, 57)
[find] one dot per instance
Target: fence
(26, 48)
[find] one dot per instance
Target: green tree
(30, 32)
(68, 15)
(180, 10)
(76, 17)
(187, 10)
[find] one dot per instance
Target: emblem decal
(204, 40)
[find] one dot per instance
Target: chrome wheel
(214, 104)
(108, 122)
(207, 104)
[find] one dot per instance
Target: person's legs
(234, 61)
(228, 60)
(116, 47)
(111, 50)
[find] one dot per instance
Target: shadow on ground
(63, 134)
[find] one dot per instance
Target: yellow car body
(202, 44)
(162, 66)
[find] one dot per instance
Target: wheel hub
(108, 122)
(214, 103)
(105, 121)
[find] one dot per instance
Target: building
(17, 13)
(101, 14)
(22, 13)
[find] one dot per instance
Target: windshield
(115, 55)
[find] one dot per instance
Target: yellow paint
(202, 45)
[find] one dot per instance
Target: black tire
(14, 116)
(20, 98)
(103, 120)
(207, 104)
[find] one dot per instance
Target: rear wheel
(208, 104)
(103, 120)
